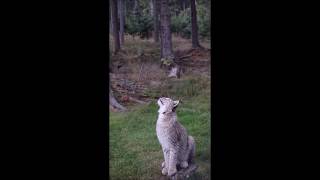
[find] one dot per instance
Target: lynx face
(167, 105)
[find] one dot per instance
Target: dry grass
(140, 61)
(178, 42)
(182, 44)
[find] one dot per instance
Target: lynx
(178, 148)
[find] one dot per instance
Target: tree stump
(174, 71)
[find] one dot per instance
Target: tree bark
(160, 29)
(182, 4)
(121, 16)
(194, 25)
(166, 38)
(115, 25)
(156, 22)
(186, 3)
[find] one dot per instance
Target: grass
(135, 150)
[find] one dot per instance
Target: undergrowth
(135, 152)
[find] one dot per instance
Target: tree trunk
(181, 4)
(165, 30)
(156, 22)
(121, 16)
(194, 24)
(115, 25)
(166, 39)
(160, 29)
(185, 4)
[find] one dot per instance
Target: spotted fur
(178, 148)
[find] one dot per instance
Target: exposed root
(114, 105)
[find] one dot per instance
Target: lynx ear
(175, 105)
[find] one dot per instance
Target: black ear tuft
(175, 105)
(174, 109)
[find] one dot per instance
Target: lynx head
(167, 105)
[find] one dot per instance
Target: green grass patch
(135, 152)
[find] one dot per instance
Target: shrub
(181, 24)
(139, 25)
(203, 21)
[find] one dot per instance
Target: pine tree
(115, 25)
(194, 25)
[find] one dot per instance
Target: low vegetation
(135, 152)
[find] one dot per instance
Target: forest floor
(135, 152)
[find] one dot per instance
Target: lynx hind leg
(192, 149)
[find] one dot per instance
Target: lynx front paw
(184, 164)
(172, 172)
(163, 164)
(164, 171)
